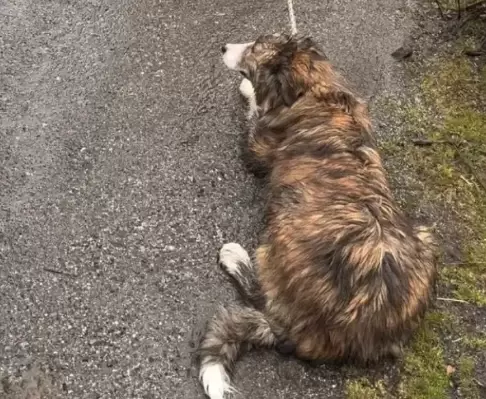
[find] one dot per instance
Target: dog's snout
(233, 54)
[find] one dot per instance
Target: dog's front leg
(247, 91)
(254, 163)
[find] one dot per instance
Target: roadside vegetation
(436, 158)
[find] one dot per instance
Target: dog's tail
(231, 330)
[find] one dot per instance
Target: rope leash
(293, 23)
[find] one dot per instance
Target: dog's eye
(245, 75)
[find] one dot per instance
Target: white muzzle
(232, 54)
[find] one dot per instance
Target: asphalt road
(120, 178)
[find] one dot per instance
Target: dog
(340, 273)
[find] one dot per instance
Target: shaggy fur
(340, 273)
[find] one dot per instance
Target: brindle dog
(340, 273)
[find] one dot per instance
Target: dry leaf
(450, 370)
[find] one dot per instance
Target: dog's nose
(223, 49)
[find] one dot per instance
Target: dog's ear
(279, 87)
(307, 44)
(290, 90)
(278, 81)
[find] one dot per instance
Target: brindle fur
(343, 273)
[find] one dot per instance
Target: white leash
(293, 23)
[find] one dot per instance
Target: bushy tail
(230, 331)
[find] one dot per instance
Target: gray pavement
(120, 178)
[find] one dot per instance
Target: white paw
(215, 381)
(231, 256)
(246, 89)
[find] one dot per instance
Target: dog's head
(277, 65)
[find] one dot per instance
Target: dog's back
(342, 268)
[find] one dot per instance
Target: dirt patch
(32, 383)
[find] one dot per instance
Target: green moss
(482, 79)
(363, 389)
(449, 83)
(441, 321)
(466, 283)
(467, 383)
(424, 373)
(466, 124)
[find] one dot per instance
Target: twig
(474, 5)
(478, 51)
(54, 271)
(464, 263)
(481, 384)
(452, 300)
(458, 9)
(426, 142)
(472, 170)
(465, 180)
(474, 53)
(440, 9)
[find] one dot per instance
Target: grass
(363, 388)
(468, 386)
(476, 342)
(424, 372)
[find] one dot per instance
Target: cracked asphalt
(120, 178)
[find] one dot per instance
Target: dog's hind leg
(234, 260)
(229, 332)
